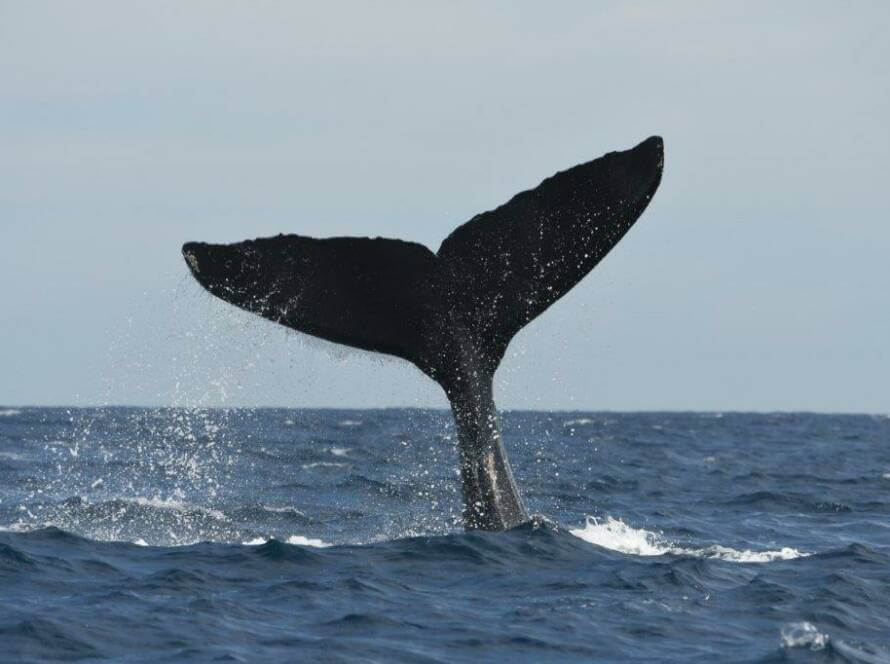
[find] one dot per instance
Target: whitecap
(283, 510)
(322, 464)
(349, 423)
(299, 540)
(20, 527)
(338, 451)
(747, 556)
(140, 542)
(802, 635)
(9, 412)
(307, 541)
(616, 535)
(12, 456)
(579, 422)
(175, 505)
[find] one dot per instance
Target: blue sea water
(171, 535)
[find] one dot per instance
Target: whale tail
(454, 312)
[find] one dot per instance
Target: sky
(756, 280)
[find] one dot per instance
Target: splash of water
(616, 535)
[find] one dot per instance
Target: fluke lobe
(454, 312)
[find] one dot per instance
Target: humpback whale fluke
(451, 313)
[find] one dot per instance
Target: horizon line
(669, 411)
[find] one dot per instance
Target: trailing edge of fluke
(453, 312)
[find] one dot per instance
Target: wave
(168, 522)
(616, 535)
(297, 540)
(805, 635)
(174, 505)
(776, 499)
(283, 510)
(155, 520)
(7, 553)
(527, 544)
(9, 412)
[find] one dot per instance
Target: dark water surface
(172, 535)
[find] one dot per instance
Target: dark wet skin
(454, 312)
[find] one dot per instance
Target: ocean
(177, 535)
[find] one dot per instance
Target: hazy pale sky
(756, 280)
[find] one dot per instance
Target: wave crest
(616, 535)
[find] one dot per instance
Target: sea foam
(299, 540)
(616, 535)
(803, 635)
